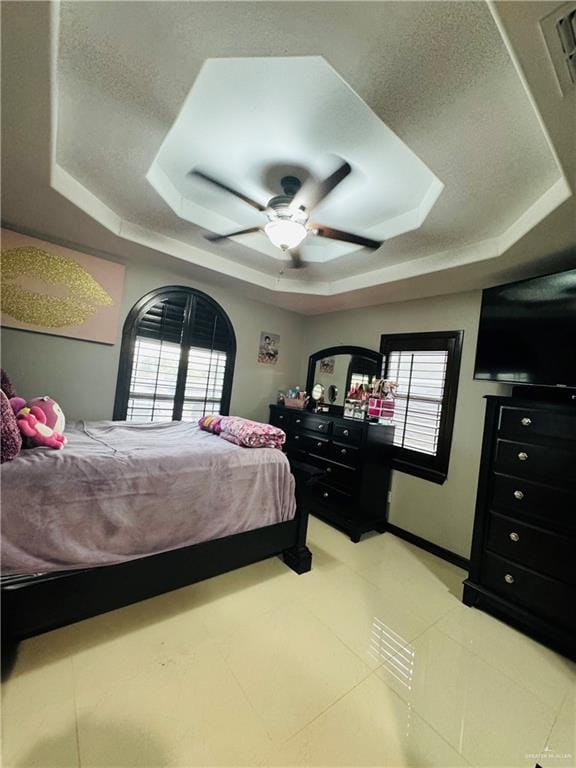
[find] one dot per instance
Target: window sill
(417, 470)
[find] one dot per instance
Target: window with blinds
(177, 358)
(153, 382)
(425, 367)
(421, 378)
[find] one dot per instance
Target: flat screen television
(527, 332)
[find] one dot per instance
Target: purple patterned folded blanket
(251, 434)
(244, 432)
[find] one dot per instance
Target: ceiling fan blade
(226, 188)
(312, 193)
(214, 238)
(346, 237)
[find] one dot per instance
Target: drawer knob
(296, 437)
(328, 469)
(298, 421)
(319, 445)
(325, 494)
(345, 433)
(281, 418)
(509, 579)
(523, 456)
(518, 495)
(343, 451)
(514, 536)
(525, 421)
(320, 426)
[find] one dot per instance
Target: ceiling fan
(288, 214)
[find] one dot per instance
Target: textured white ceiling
(439, 74)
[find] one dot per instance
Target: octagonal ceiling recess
(408, 93)
(290, 116)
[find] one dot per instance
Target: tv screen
(527, 332)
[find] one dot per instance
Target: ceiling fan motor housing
(290, 185)
(287, 225)
(280, 207)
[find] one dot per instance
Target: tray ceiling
(430, 85)
(274, 103)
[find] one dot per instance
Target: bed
(127, 511)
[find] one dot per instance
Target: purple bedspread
(120, 491)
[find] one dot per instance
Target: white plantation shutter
(426, 367)
(421, 377)
(177, 358)
(204, 383)
(153, 381)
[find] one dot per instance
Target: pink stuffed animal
(41, 420)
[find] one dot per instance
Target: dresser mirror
(334, 370)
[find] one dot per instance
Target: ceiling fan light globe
(285, 234)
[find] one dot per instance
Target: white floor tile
(291, 667)
(428, 589)
(263, 667)
(38, 714)
(369, 620)
(560, 747)
(370, 726)
(545, 673)
(235, 599)
(186, 711)
(483, 714)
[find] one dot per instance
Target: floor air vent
(559, 30)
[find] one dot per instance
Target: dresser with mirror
(353, 452)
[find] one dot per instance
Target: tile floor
(369, 660)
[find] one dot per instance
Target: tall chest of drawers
(523, 559)
(355, 456)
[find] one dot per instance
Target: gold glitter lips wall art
(51, 289)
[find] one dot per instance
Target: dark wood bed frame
(34, 604)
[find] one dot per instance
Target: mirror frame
(331, 352)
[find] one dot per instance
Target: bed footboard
(39, 603)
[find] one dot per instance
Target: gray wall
(81, 375)
(444, 513)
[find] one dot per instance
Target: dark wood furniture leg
(299, 557)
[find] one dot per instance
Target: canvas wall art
(50, 289)
(268, 348)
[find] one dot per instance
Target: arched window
(176, 359)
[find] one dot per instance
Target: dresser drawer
(541, 595)
(531, 423)
(336, 474)
(317, 445)
(346, 477)
(348, 433)
(547, 504)
(293, 442)
(331, 496)
(280, 418)
(344, 454)
(542, 551)
(531, 461)
(297, 420)
(313, 423)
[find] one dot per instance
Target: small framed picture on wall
(268, 348)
